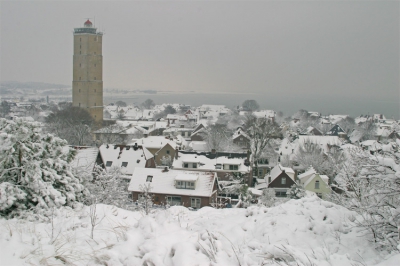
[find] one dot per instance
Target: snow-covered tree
(145, 199)
(296, 192)
(267, 198)
(245, 196)
(108, 187)
(311, 154)
(35, 169)
(166, 160)
(370, 185)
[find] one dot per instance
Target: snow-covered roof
(277, 170)
(240, 132)
(163, 182)
(199, 146)
(85, 159)
(264, 114)
(153, 142)
(126, 157)
(208, 161)
(186, 177)
(308, 180)
(372, 145)
(323, 141)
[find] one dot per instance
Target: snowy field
(308, 231)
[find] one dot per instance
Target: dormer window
(218, 166)
(149, 178)
(317, 184)
(185, 181)
(124, 164)
(185, 184)
(233, 167)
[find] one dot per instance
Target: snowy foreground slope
(308, 231)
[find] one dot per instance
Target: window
(79, 104)
(167, 151)
(94, 52)
(149, 178)
(319, 195)
(80, 52)
(281, 194)
(95, 104)
(94, 90)
(218, 166)
(79, 78)
(94, 65)
(269, 179)
(233, 167)
(317, 184)
(194, 165)
(283, 181)
(195, 203)
(94, 78)
(185, 184)
(79, 90)
(260, 172)
(80, 65)
(80, 39)
(108, 163)
(124, 164)
(173, 200)
(80, 46)
(185, 165)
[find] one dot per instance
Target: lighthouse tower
(87, 84)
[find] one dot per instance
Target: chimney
(165, 169)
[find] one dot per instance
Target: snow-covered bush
(108, 187)
(296, 192)
(371, 186)
(35, 170)
(145, 199)
(267, 198)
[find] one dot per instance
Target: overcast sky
(320, 49)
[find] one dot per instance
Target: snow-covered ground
(308, 231)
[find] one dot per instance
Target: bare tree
(73, 124)
(347, 124)
(250, 105)
(261, 132)
(217, 137)
(368, 130)
(148, 104)
(145, 199)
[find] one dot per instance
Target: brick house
(173, 187)
(280, 179)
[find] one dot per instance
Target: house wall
(324, 189)
(242, 142)
(277, 183)
(164, 151)
(160, 199)
(196, 137)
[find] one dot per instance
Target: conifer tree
(35, 169)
